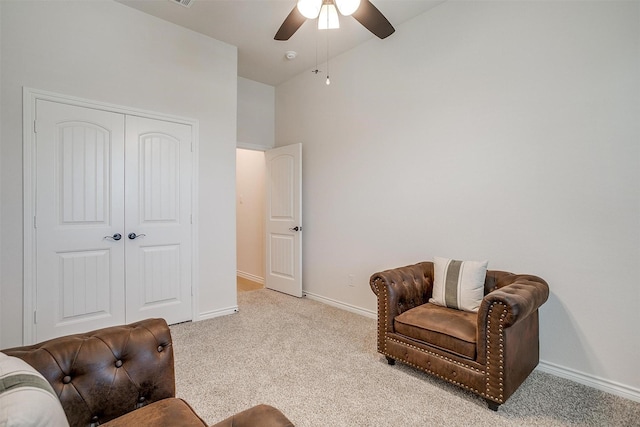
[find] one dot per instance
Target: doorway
(269, 229)
(250, 219)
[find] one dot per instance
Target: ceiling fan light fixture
(347, 7)
(362, 11)
(328, 19)
(309, 8)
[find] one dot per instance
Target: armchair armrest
(260, 415)
(520, 294)
(508, 332)
(401, 289)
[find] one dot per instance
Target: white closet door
(158, 219)
(79, 214)
(113, 219)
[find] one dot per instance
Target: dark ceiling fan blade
(290, 25)
(373, 20)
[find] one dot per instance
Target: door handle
(134, 236)
(296, 228)
(116, 236)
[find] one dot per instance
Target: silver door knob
(134, 236)
(296, 228)
(116, 236)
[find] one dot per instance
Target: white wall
(256, 114)
(105, 51)
(506, 131)
(250, 213)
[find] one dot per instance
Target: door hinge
(35, 317)
(35, 222)
(35, 126)
(191, 219)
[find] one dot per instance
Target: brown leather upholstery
(489, 353)
(166, 412)
(124, 376)
(103, 374)
(451, 330)
(258, 416)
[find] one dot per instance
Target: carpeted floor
(319, 366)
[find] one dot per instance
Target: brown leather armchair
(489, 353)
(124, 376)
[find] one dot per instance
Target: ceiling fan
(325, 10)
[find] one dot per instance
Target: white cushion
(458, 284)
(26, 398)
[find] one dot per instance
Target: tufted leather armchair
(124, 376)
(489, 353)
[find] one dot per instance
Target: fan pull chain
(317, 70)
(328, 82)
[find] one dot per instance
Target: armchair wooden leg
(391, 360)
(492, 405)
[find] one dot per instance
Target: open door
(284, 219)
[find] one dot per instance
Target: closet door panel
(158, 219)
(79, 208)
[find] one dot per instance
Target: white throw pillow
(458, 284)
(26, 398)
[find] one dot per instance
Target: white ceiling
(251, 24)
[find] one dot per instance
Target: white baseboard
(598, 383)
(339, 304)
(250, 276)
(217, 313)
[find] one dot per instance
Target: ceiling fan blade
(290, 25)
(373, 20)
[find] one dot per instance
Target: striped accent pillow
(26, 398)
(458, 284)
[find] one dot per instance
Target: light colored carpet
(319, 366)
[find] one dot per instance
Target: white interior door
(284, 219)
(79, 218)
(101, 176)
(158, 220)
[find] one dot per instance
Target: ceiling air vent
(185, 3)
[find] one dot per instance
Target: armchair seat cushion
(447, 328)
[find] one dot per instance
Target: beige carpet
(319, 366)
